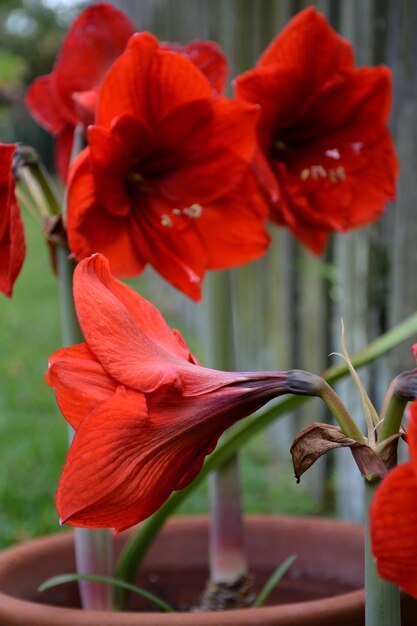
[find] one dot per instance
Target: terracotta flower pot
(323, 586)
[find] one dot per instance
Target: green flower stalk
(93, 548)
(382, 599)
(229, 585)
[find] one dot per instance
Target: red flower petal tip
(12, 241)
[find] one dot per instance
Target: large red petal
(127, 334)
(63, 150)
(309, 31)
(12, 241)
(80, 383)
(125, 88)
(361, 100)
(44, 104)
(282, 93)
(113, 153)
(148, 83)
(215, 156)
(146, 316)
(265, 176)
(125, 462)
(91, 228)
(104, 483)
(175, 138)
(177, 254)
(85, 103)
(130, 338)
(412, 433)
(393, 527)
(233, 227)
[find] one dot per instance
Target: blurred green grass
(33, 435)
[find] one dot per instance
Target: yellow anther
(305, 173)
(332, 177)
(318, 171)
(166, 221)
(340, 173)
(134, 177)
(280, 145)
(194, 211)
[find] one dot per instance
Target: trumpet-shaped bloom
(327, 157)
(12, 242)
(394, 517)
(145, 412)
(165, 178)
(66, 97)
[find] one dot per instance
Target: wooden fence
(289, 303)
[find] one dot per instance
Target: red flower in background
(145, 412)
(67, 96)
(57, 100)
(12, 242)
(326, 151)
(394, 519)
(208, 57)
(165, 178)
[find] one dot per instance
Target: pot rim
(13, 608)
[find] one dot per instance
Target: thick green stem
(393, 417)
(31, 171)
(26, 175)
(392, 412)
(227, 553)
(93, 547)
(71, 332)
(41, 176)
(340, 413)
(227, 548)
(382, 599)
(94, 555)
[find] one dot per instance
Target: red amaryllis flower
(67, 96)
(96, 38)
(326, 150)
(12, 242)
(145, 412)
(165, 179)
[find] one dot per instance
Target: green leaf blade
(63, 579)
(273, 581)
